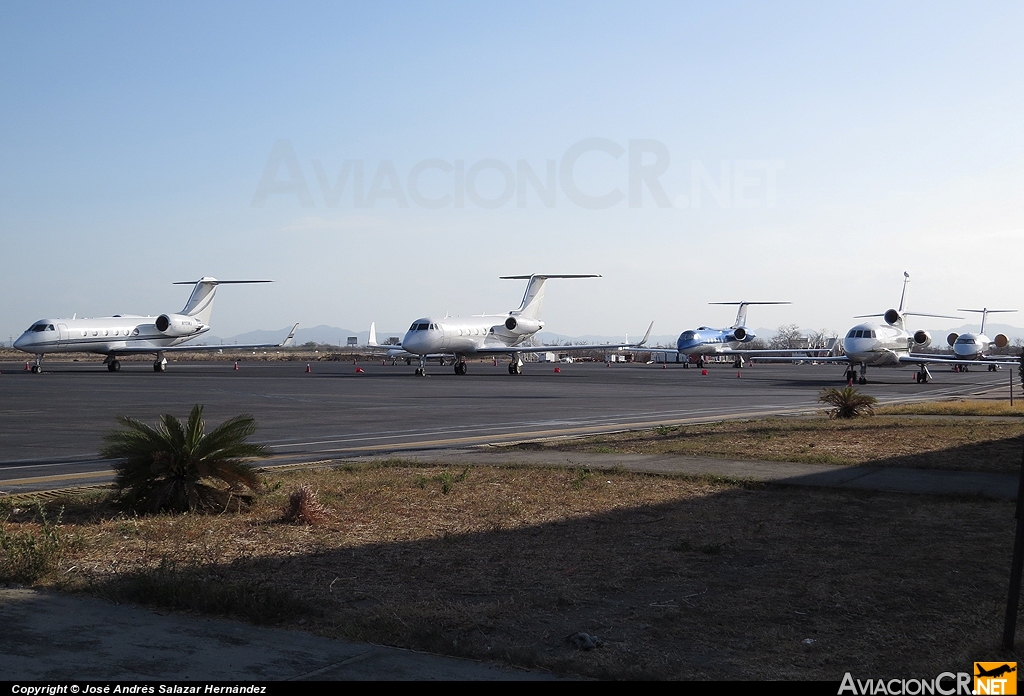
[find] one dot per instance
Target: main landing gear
(114, 365)
(516, 366)
(461, 367)
(161, 363)
(922, 376)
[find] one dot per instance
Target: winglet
(372, 341)
(291, 336)
(646, 335)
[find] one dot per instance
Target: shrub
(848, 402)
(183, 468)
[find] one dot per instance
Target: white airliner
(975, 346)
(490, 334)
(890, 345)
(124, 334)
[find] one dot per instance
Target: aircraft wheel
(862, 380)
(36, 369)
(114, 365)
(511, 368)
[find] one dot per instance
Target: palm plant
(848, 402)
(176, 467)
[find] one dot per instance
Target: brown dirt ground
(964, 444)
(679, 578)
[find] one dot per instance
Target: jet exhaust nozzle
(891, 317)
(740, 333)
(1001, 340)
(951, 338)
(922, 337)
(177, 325)
(523, 325)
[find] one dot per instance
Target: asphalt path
(52, 424)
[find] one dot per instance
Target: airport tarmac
(51, 424)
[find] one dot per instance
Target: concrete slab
(50, 636)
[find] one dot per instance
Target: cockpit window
(969, 341)
(688, 335)
(42, 327)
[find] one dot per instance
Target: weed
(666, 429)
(580, 477)
(28, 557)
(448, 480)
(304, 508)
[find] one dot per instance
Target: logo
(995, 678)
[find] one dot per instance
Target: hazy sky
(386, 161)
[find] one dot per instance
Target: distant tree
(756, 344)
(309, 344)
(393, 341)
(786, 336)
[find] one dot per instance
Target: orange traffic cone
(359, 370)
(308, 369)
(704, 372)
(236, 364)
(27, 368)
(558, 369)
(738, 374)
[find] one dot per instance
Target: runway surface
(52, 424)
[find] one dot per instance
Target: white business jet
(490, 334)
(974, 346)
(890, 345)
(124, 334)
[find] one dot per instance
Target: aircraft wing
(919, 359)
(205, 349)
(564, 349)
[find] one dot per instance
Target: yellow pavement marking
(451, 442)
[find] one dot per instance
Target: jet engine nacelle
(891, 317)
(951, 338)
(523, 325)
(922, 337)
(739, 333)
(177, 325)
(1001, 340)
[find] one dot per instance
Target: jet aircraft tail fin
(534, 297)
(200, 302)
(741, 313)
(372, 341)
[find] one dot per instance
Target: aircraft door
(62, 333)
(446, 336)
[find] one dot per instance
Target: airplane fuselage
(971, 346)
(877, 345)
(708, 341)
(105, 335)
(468, 336)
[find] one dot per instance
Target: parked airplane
(125, 334)
(890, 345)
(704, 340)
(974, 346)
(491, 334)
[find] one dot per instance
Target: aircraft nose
(411, 342)
(22, 341)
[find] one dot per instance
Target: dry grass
(304, 507)
(678, 578)
(965, 445)
(961, 407)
